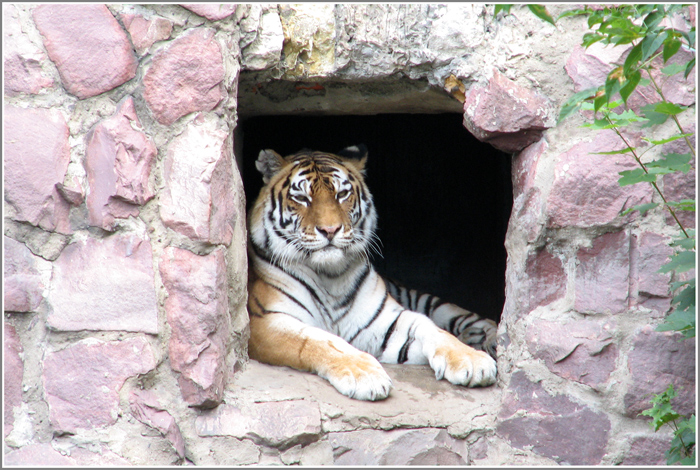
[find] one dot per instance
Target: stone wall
(124, 239)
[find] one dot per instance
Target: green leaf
(689, 67)
(541, 12)
(665, 141)
(671, 109)
(654, 118)
(651, 44)
(616, 152)
(681, 321)
(504, 7)
(683, 242)
(681, 262)
(673, 162)
(653, 19)
(612, 86)
(684, 205)
(635, 176)
(633, 58)
(575, 12)
(670, 48)
(630, 85)
(642, 208)
(575, 102)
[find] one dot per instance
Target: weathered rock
(524, 167)
(262, 38)
(602, 275)
(681, 186)
(583, 350)
(36, 157)
(146, 407)
(585, 192)
(657, 360)
(198, 315)
(647, 450)
(82, 381)
(426, 447)
(22, 285)
(211, 12)
(197, 200)
(650, 252)
(282, 424)
(553, 425)
(146, 32)
(88, 46)
(37, 455)
(506, 115)
(186, 77)
(547, 279)
(12, 374)
(119, 158)
(104, 285)
(589, 67)
(21, 58)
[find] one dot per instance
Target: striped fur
(317, 304)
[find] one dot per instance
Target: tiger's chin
(330, 261)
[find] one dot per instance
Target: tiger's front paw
(463, 365)
(360, 376)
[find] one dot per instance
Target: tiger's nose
(328, 231)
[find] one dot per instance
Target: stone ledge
(417, 402)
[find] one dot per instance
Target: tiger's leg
(416, 339)
(473, 330)
(280, 339)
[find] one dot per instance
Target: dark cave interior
(443, 197)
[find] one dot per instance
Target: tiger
(317, 304)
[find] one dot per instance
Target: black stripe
(351, 295)
(291, 297)
(374, 317)
(403, 353)
(390, 331)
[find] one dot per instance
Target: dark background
(443, 197)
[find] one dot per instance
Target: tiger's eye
(301, 199)
(343, 194)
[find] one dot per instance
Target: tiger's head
(314, 210)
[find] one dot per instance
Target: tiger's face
(314, 210)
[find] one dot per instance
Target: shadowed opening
(443, 197)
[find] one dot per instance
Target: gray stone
(12, 374)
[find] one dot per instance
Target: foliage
(652, 42)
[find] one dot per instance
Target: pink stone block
(34, 455)
(21, 58)
(211, 11)
(586, 193)
(199, 198)
(186, 77)
(653, 251)
(144, 33)
(12, 374)
(602, 276)
(90, 49)
(104, 284)
(22, 285)
(582, 351)
(198, 316)
(546, 279)
(82, 382)
(506, 115)
(657, 360)
(119, 159)
(36, 157)
(146, 407)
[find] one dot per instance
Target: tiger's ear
(356, 156)
(269, 163)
